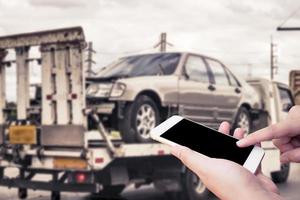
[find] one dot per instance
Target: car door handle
(211, 88)
(237, 90)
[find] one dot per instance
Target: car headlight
(99, 90)
(92, 90)
(118, 90)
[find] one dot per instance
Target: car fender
(165, 87)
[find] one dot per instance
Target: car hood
(128, 79)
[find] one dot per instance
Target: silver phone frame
(252, 162)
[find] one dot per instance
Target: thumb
(195, 161)
(291, 156)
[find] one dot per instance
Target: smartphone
(178, 130)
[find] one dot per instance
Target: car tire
(282, 175)
(192, 189)
(140, 117)
(243, 120)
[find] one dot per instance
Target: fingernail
(240, 142)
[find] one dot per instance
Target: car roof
(173, 52)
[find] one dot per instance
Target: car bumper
(109, 108)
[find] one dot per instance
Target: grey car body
(192, 85)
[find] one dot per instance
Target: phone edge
(254, 159)
(156, 132)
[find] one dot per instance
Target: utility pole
(273, 59)
(90, 60)
(162, 44)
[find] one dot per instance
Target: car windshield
(142, 65)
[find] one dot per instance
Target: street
(289, 190)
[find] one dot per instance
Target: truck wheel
(22, 193)
(140, 117)
(282, 175)
(192, 189)
(55, 195)
(243, 120)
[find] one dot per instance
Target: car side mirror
(286, 107)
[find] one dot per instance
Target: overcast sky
(236, 32)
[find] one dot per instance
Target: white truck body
(276, 99)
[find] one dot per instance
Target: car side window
(285, 97)
(196, 69)
(233, 81)
(218, 72)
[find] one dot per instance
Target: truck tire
(192, 189)
(22, 193)
(55, 195)
(140, 117)
(282, 175)
(243, 120)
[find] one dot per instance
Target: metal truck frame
(60, 145)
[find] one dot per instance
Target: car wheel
(140, 117)
(282, 175)
(192, 189)
(243, 120)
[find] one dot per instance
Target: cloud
(62, 3)
(232, 31)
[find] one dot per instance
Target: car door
(227, 93)
(195, 93)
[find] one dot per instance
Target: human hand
(222, 176)
(285, 136)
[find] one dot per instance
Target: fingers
(294, 112)
(286, 143)
(282, 129)
(283, 144)
(268, 183)
(290, 156)
(224, 128)
(238, 133)
(197, 162)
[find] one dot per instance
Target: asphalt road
(289, 190)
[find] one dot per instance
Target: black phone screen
(207, 141)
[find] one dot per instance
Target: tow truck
(59, 143)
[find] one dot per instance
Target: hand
(226, 179)
(285, 135)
